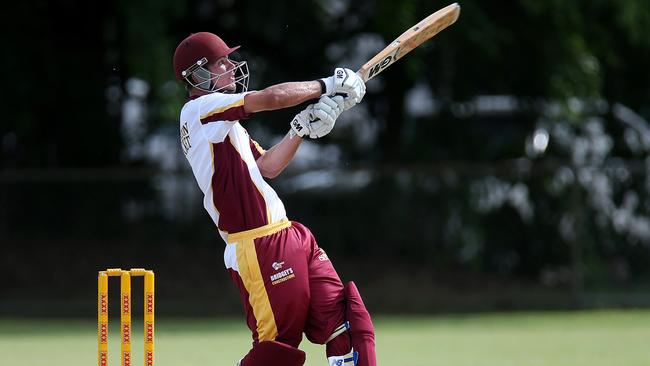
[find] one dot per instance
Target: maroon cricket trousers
(288, 285)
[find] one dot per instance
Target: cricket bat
(412, 38)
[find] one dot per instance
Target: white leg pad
(349, 359)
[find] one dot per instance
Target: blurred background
(504, 165)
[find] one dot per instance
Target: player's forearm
(282, 96)
(273, 162)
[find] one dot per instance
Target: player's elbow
(267, 169)
(270, 173)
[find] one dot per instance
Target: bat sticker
(384, 63)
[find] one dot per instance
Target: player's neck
(197, 92)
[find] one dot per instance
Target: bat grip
(314, 101)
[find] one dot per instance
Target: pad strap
(338, 331)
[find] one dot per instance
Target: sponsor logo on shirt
(277, 265)
(282, 276)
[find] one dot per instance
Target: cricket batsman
(287, 283)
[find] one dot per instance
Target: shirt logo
(185, 138)
(277, 265)
(323, 256)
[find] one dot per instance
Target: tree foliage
(565, 68)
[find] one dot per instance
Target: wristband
(323, 88)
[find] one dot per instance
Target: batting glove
(347, 83)
(300, 124)
(317, 120)
(326, 111)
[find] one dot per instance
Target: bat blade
(410, 39)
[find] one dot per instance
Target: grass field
(596, 338)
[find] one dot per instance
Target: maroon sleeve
(231, 114)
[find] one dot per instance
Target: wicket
(125, 314)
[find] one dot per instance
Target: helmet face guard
(198, 76)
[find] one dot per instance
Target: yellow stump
(125, 317)
(149, 306)
(125, 314)
(102, 318)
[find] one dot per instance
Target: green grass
(592, 338)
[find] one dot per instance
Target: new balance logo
(323, 256)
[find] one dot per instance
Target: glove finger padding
(351, 101)
(352, 86)
(327, 105)
(319, 129)
(325, 112)
(323, 125)
(340, 103)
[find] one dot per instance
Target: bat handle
(360, 74)
(314, 101)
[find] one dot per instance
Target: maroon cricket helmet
(197, 46)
